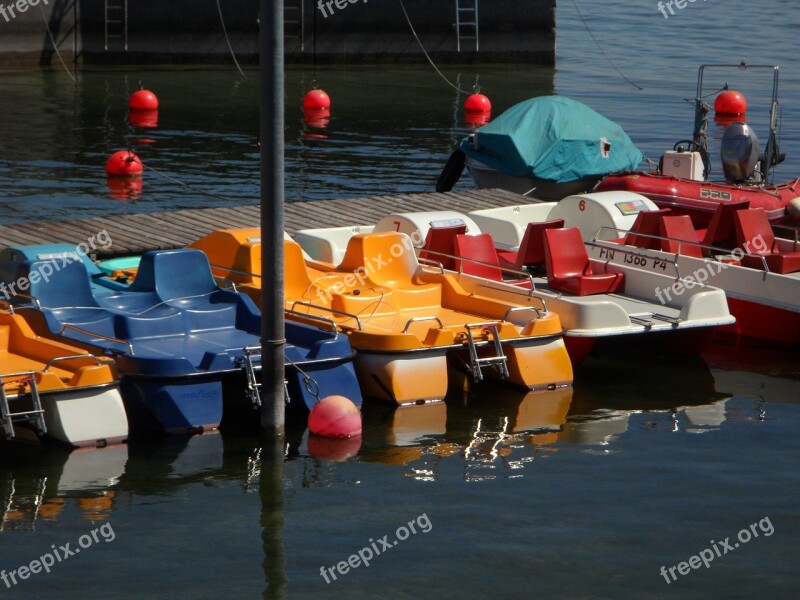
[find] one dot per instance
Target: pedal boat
(57, 389)
(403, 320)
(501, 254)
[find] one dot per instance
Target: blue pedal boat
(179, 340)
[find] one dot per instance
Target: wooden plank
(139, 232)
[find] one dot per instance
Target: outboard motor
(739, 152)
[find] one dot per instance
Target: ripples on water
(578, 494)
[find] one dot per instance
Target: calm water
(579, 494)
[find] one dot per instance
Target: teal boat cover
(553, 138)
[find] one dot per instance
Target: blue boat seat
(180, 277)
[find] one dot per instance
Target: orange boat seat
(531, 249)
(569, 268)
(440, 241)
(676, 231)
(752, 224)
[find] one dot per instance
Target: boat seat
(753, 224)
(480, 248)
(386, 260)
(721, 231)
(531, 248)
(648, 223)
(569, 268)
(677, 231)
(441, 240)
(180, 277)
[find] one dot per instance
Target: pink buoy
(124, 163)
(143, 100)
(335, 417)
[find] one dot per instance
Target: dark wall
(185, 31)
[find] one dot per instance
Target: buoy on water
(335, 417)
(143, 100)
(730, 102)
(477, 103)
(316, 99)
(124, 163)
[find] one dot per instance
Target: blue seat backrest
(174, 274)
(57, 286)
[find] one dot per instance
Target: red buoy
(143, 118)
(336, 417)
(730, 102)
(335, 450)
(143, 100)
(477, 103)
(124, 163)
(316, 99)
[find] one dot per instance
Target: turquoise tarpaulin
(554, 138)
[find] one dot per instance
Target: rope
(603, 52)
(181, 183)
(307, 379)
(430, 60)
(55, 46)
(228, 40)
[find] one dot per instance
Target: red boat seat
(676, 231)
(648, 223)
(721, 230)
(753, 224)
(531, 249)
(480, 248)
(569, 268)
(441, 240)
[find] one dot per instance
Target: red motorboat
(681, 184)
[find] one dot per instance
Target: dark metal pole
(272, 302)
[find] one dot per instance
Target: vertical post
(272, 294)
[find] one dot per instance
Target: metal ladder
(35, 416)
(116, 22)
(467, 9)
(253, 384)
(294, 13)
(499, 361)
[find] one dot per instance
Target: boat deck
(136, 233)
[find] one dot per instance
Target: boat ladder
(34, 416)
(253, 388)
(467, 22)
(116, 22)
(294, 21)
(499, 361)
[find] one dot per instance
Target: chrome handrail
(330, 310)
(74, 356)
(418, 319)
(97, 335)
(431, 262)
(232, 270)
(520, 308)
(32, 298)
(519, 292)
(334, 327)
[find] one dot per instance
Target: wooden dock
(133, 234)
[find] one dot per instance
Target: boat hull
(485, 177)
(763, 322)
(175, 405)
(311, 381)
(89, 417)
(409, 377)
(700, 199)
